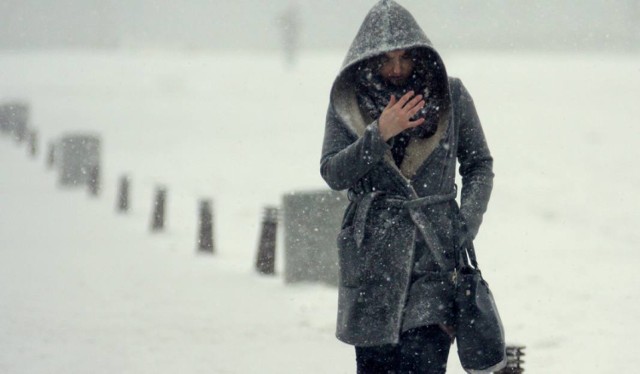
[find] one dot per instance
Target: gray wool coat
(384, 289)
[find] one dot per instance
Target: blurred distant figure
(395, 126)
(289, 22)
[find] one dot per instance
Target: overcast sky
(242, 24)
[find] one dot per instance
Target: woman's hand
(396, 117)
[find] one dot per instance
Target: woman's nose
(396, 67)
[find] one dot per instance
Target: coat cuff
(377, 145)
(470, 224)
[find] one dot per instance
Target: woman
(395, 126)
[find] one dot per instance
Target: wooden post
(94, 180)
(123, 194)
(159, 203)
(265, 262)
(205, 236)
(51, 156)
(33, 144)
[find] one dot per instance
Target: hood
(387, 27)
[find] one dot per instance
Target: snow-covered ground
(83, 289)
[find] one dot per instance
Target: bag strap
(467, 253)
(464, 247)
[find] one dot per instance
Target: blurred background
(567, 25)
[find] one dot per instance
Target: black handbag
(479, 330)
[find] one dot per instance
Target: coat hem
(500, 365)
(354, 342)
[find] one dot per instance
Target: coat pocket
(349, 258)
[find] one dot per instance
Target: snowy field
(83, 289)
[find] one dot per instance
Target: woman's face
(396, 67)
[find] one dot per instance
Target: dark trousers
(422, 350)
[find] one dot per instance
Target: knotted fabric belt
(417, 216)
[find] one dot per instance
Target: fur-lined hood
(388, 27)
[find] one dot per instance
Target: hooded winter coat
(384, 289)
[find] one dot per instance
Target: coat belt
(417, 216)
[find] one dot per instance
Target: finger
(416, 123)
(415, 109)
(413, 102)
(403, 100)
(392, 101)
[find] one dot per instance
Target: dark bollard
(159, 203)
(51, 156)
(33, 144)
(123, 194)
(265, 263)
(205, 237)
(514, 360)
(94, 180)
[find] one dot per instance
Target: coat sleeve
(345, 159)
(476, 164)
